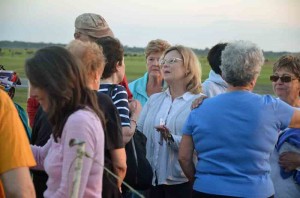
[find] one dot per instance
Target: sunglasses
(285, 79)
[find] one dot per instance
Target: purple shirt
(57, 159)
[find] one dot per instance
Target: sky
(274, 25)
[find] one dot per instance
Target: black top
(41, 129)
(113, 131)
(113, 140)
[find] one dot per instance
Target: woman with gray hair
(233, 154)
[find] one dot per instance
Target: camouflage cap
(93, 25)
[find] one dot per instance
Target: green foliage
(13, 59)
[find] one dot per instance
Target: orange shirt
(15, 150)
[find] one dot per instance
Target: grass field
(13, 59)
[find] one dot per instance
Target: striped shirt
(119, 97)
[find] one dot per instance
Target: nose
(156, 62)
(279, 81)
(163, 65)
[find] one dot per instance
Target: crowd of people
(203, 140)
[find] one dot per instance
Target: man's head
(90, 27)
(214, 57)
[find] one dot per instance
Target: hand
(135, 108)
(198, 101)
(289, 161)
(164, 131)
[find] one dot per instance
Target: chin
(45, 108)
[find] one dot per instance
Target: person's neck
(249, 87)
(240, 88)
(294, 102)
(177, 90)
(113, 79)
(155, 81)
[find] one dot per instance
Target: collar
(186, 96)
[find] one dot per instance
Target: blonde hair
(156, 46)
(192, 67)
(90, 55)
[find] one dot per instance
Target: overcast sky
(272, 24)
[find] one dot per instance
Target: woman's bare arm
(186, 151)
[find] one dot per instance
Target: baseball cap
(93, 25)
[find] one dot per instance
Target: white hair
(241, 62)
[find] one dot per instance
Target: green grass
(21, 97)
(135, 68)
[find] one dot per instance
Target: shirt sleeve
(120, 100)
(14, 145)
(79, 127)
(40, 153)
(284, 113)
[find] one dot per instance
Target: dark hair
(214, 57)
(55, 70)
(289, 62)
(113, 52)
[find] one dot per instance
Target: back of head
(241, 63)
(191, 65)
(113, 52)
(90, 54)
(290, 63)
(92, 25)
(214, 57)
(156, 46)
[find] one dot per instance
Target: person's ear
(118, 65)
(76, 35)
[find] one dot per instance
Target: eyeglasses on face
(285, 79)
(169, 61)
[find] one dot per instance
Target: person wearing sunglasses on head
(285, 159)
(162, 119)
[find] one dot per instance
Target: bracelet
(133, 121)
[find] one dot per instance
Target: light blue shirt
(164, 157)
(234, 135)
(138, 89)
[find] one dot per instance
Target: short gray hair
(241, 63)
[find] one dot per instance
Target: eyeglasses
(285, 79)
(169, 61)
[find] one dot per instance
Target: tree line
(127, 49)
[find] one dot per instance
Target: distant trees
(30, 47)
